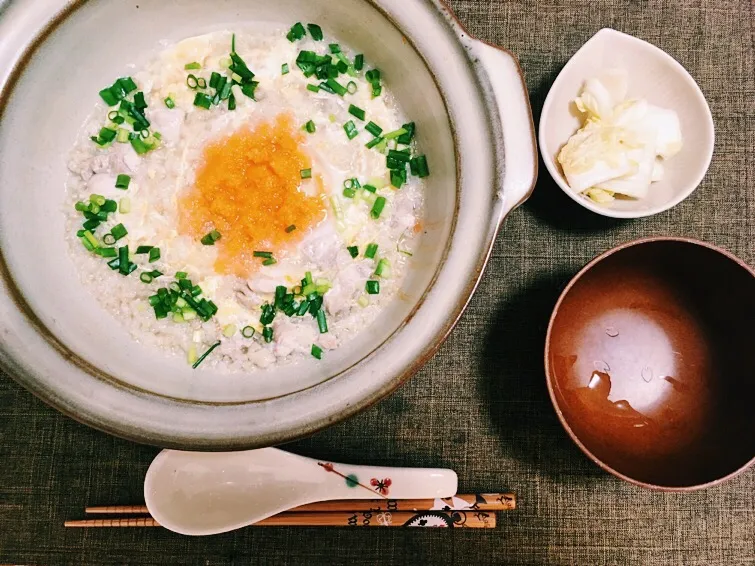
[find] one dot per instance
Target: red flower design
(381, 486)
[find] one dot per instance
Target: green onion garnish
(373, 142)
(154, 255)
(267, 334)
(313, 88)
(123, 261)
(335, 87)
(146, 277)
(207, 353)
(316, 351)
(118, 231)
(296, 32)
(310, 127)
(377, 208)
(284, 69)
(383, 268)
(106, 252)
(351, 87)
(192, 82)
(181, 275)
(268, 262)
(211, 238)
(371, 251)
(170, 103)
(315, 31)
(353, 251)
(358, 113)
(109, 206)
(407, 137)
(143, 250)
(322, 322)
(349, 192)
(418, 166)
(334, 48)
(306, 173)
(376, 90)
(192, 66)
(370, 188)
(372, 287)
(202, 100)
(374, 129)
(231, 102)
(229, 330)
(359, 62)
(122, 181)
(266, 255)
(398, 177)
(247, 332)
(350, 129)
(291, 228)
(108, 239)
(395, 134)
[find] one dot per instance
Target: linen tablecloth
(480, 406)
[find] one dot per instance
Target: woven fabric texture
(480, 406)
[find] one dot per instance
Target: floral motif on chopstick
(381, 486)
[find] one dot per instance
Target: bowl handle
(517, 130)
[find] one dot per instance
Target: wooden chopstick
(454, 519)
(475, 501)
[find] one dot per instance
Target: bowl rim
(549, 374)
(553, 167)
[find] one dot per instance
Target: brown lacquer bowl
(650, 362)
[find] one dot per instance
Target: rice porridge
(246, 199)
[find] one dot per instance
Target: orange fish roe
(248, 188)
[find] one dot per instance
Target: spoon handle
(369, 482)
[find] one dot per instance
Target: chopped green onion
(247, 332)
(376, 90)
(207, 353)
(315, 31)
(267, 334)
(229, 330)
(373, 76)
(231, 102)
(108, 239)
(336, 87)
(349, 193)
(373, 142)
(211, 238)
(155, 273)
(313, 88)
(118, 231)
(395, 134)
(406, 138)
(372, 287)
(296, 32)
(351, 87)
(124, 205)
(350, 129)
(359, 62)
(122, 181)
(143, 250)
(139, 102)
(109, 206)
(122, 135)
(268, 262)
(308, 289)
(306, 173)
(374, 129)
(123, 261)
(308, 280)
(357, 112)
(383, 268)
(418, 166)
(290, 228)
(310, 127)
(398, 178)
(99, 200)
(377, 208)
(353, 251)
(322, 323)
(192, 66)
(114, 264)
(109, 97)
(146, 277)
(316, 351)
(266, 255)
(371, 251)
(192, 82)
(106, 252)
(202, 100)
(154, 255)
(170, 103)
(181, 275)
(89, 237)
(370, 189)
(334, 48)
(214, 78)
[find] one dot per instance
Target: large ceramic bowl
(474, 122)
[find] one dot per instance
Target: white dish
(653, 75)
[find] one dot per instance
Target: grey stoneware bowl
(474, 122)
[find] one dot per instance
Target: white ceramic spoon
(205, 493)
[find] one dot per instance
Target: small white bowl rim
(550, 163)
